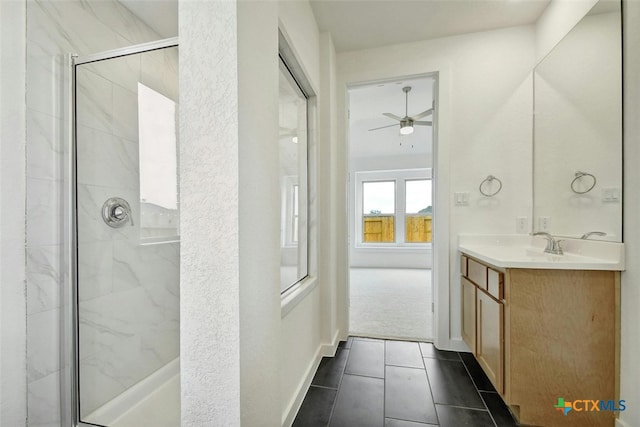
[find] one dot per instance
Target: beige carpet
(391, 303)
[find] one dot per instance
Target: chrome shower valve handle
(116, 212)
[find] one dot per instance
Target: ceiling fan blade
(423, 114)
(393, 116)
(382, 127)
(422, 123)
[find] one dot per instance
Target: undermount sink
(523, 251)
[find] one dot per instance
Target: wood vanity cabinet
(482, 318)
(540, 335)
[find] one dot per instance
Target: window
(418, 211)
(292, 149)
(394, 208)
(378, 211)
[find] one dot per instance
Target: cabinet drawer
(495, 281)
(463, 265)
(477, 273)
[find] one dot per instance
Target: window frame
(289, 182)
(400, 177)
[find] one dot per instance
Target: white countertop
(524, 251)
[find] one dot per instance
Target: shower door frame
(69, 350)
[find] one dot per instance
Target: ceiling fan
(406, 122)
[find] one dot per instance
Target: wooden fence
(381, 228)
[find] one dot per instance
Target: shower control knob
(119, 212)
(116, 212)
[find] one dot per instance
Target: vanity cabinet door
(489, 340)
(469, 314)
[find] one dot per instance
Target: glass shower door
(128, 244)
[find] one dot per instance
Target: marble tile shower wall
(120, 275)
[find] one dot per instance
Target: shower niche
(126, 205)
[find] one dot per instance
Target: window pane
(379, 197)
(418, 208)
(378, 217)
(292, 151)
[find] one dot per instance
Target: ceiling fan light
(406, 129)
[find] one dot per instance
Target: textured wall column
(209, 306)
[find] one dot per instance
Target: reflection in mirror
(292, 144)
(578, 130)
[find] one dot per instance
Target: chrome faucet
(553, 245)
(593, 233)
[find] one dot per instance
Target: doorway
(391, 141)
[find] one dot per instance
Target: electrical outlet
(544, 223)
(522, 225)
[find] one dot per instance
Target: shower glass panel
(128, 244)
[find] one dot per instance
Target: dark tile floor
(378, 383)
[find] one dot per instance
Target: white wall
(483, 120)
(13, 374)
(556, 21)
(630, 286)
(327, 139)
(259, 213)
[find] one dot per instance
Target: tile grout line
(477, 390)
(490, 414)
(384, 383)
(335, 401)
(426, 372)
(323, 386)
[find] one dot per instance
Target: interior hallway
(372, 383)
(391, 303)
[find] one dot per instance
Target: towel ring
(489, 179)
(580, 174)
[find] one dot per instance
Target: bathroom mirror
(577, 172)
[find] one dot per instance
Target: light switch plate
(461, 198)
(610, 194)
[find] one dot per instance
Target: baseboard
(294, 406)
(455, 344)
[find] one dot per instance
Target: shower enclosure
(125, 237)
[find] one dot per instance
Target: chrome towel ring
(579, 175)
(488, 180)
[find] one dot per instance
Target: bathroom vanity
(544, 327)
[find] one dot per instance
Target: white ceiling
(364, 24)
